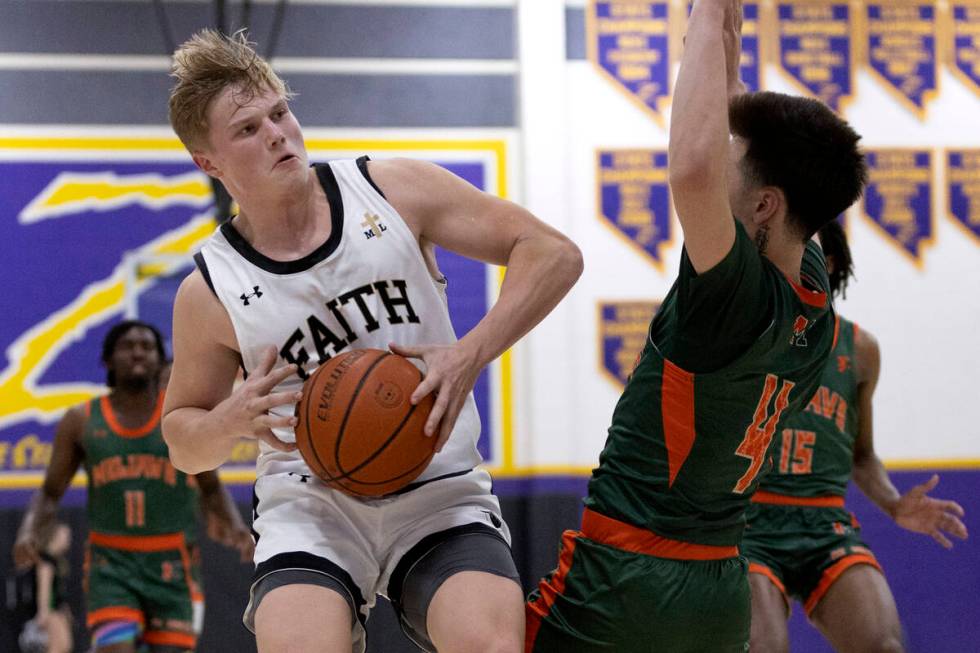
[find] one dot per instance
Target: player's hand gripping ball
(357, 429)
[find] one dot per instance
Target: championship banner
(628, 41)
(634, 199)
(751, 67)
(623, 328)
(964, 51)
(963, 177)
(898, 198)
(901, 50)
(813, 46)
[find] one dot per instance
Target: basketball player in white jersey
(321, 260)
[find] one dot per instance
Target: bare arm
(66, 457)
(203, 415)
(698, 156)
(224, 522)
(542, 265)
(869, 474)
(914, 511)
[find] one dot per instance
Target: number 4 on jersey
(760, 431)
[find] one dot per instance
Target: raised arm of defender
(542, 265)
(699, 131)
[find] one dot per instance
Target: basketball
(357, 429)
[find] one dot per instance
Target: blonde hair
(204, 66)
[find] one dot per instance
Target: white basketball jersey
(366, 286)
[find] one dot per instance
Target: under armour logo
(374, 226)
(255, 293)
(843, 362)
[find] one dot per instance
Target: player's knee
(494, 627)
(300, 618)
(767, 642)
(768, 635)
(485, 640)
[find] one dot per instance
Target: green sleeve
(721, 312)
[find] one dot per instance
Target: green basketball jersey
(133, 489)
(685, 450)
(814, 451)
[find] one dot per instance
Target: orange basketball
(357, 429)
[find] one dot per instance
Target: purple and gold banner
(750, 66)
(901, 47)
(963, 177)
(898, 198)
(814, 49)
(623, 327)
(634, 199)
(964, 51)
(628, 41)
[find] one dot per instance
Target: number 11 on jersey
(135, 501)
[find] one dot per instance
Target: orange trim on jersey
(809, 297)
(677, 413)
(115, 613)
(836, 331)
(829, 501)
(144, 543)
(87, 409)
(169, 638)
(854, 324)
(548, 589)
(122, 431)
(185, 558)
(627, 537)
(832, 573)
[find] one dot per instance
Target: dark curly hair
(803, 148)
(833, 240)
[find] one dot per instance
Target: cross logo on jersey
(374, 226)
(247, 296)
(799, 332)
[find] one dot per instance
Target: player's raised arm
(698, 150)
(542, 265)
(203, 416)
(66, 456)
